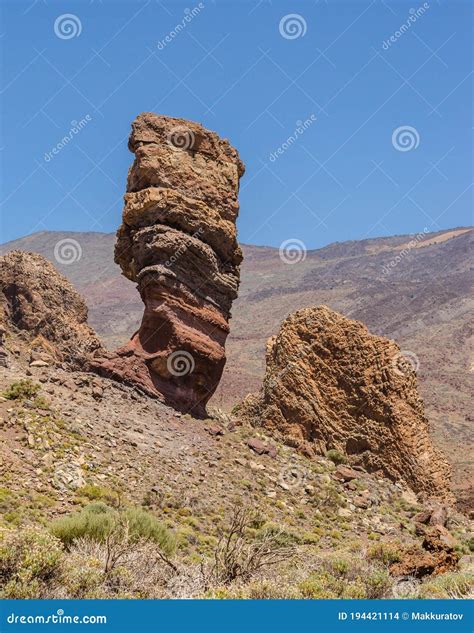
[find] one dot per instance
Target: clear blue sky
(231, 68)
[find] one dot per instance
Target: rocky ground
(75, 438)
(423, 302)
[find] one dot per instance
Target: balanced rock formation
(331, 384)
(178, 242)
(38, 301)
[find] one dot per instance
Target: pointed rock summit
(178, 243)
(331, 384)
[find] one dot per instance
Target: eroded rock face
(36, 299)
(178, 242)
(330, 384)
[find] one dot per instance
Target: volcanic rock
(344, 473)
(436, 556)
(178, 242)
(439, 516)
(36, 299)
(331, 384)
(257, 445)
(261, 448)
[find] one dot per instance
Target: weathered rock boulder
(330, 384)
(37, 300)
(178, 242)
(437, 555)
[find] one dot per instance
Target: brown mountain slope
(416, 291)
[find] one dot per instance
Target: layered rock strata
(178, 242)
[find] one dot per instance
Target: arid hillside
(416, 290)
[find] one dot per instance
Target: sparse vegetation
(93, 492)
(450, 585)
(21, 390)
(336, 456)
(30, 563)
(239, 555)
(140, 528)
(101, 523)
(386, 553)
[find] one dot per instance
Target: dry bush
(117, 568)
(239, 555)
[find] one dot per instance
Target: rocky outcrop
(38, 301)
(178, 243)
(437, 555)
(330, 384)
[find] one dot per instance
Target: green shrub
(310, 538)
(144, 525)
(354, 591)
(5, 499)
(97, 521)
(386, 553)
(321, 586)
(340, 566)
(377, 583)
(30, 561)
(21, 390)
(336, 456)
(40, 402)
(279, 536)
(97, 493)
(449, 585)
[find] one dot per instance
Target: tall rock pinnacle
(178, 242)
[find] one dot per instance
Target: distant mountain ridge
(414, 289)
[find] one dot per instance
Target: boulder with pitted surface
(331, 384)
(39, 302)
